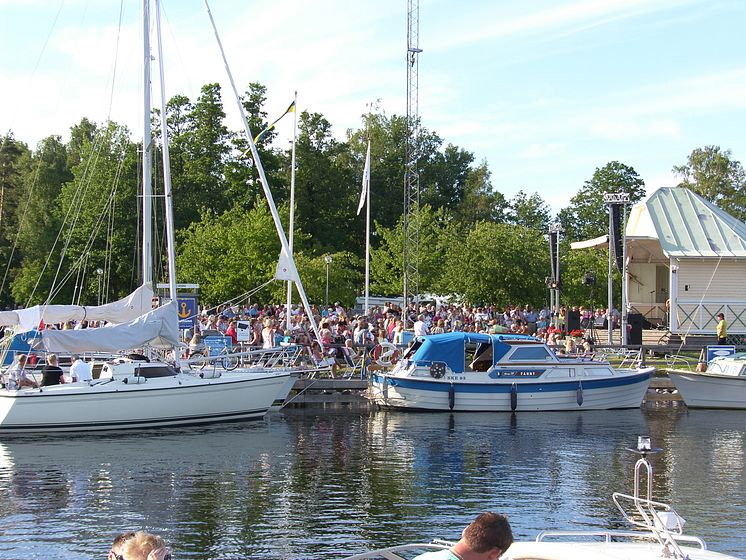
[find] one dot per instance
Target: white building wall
(704, 288)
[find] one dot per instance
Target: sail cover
(159, 328)
(122, 311)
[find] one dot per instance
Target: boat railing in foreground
(402, 552)
(614, 536)
(676, 361)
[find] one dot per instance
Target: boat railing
(676, 361)
(613, 536)
(402, 552)
(277, 357)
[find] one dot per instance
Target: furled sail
(159, 328)
(126, 309)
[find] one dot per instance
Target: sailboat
(133, 391)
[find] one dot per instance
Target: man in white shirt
(79, 371)
(420, 326)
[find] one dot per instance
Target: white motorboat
(480, 372)
(722, 385)
(658, 532)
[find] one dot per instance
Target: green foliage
(498, 263)
(588, 216)
(472, 241)
(717, 177)
(529, 211)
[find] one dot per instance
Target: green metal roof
(690, 226)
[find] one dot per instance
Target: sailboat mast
(168, 197)
(291, 224)
(147, 155)
(265, 185)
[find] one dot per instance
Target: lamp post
(328, 260)
(100, 274)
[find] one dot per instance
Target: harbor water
(325, 484)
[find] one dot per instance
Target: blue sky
(544, 91)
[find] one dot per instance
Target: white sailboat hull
(618, 391)
(168, 401)
(710, 390)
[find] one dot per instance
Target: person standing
(486, 538)
(52, 374)
(721, 329)
(420, 326)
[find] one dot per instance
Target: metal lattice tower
(411, 245)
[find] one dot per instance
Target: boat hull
(707, 390)
(619, 391)
(175, 401)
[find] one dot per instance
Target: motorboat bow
(657, 532)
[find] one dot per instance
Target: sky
(544, 91)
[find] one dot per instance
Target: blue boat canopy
(450, 347)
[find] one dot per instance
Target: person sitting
(52, 374)
(17, 376)
(196, 346)
(79, 371)
(320, 360)
(486, 538)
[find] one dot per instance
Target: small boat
(658, 532)
(722, 385)
(503, 372)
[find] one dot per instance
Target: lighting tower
(411, 248)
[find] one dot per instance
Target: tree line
(70, 212)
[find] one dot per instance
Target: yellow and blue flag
(263, 133)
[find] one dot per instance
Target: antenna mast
(411, 245)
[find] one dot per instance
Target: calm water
(319, 484)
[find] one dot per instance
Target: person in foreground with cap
(486, 538)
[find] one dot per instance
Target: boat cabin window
(157, 371)
(478, 357)
(536, 353)
(410, 350)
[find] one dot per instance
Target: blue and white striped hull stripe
(542, 387)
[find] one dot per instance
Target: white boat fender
(210, 374)
(451, 396)
(437, 370)
(513, 397)
(580, 393)
(135, 379)
(385, 389)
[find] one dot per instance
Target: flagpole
(367, 238)
(292, 208)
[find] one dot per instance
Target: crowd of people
(343, 330)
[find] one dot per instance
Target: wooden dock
(351, 392)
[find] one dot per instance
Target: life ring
(385, 354)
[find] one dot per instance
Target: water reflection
(312, 484)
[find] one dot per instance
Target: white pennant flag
(366, 181)
(283, 270)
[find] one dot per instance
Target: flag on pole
(366, 181)
(263, 133)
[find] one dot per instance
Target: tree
(529, 211)
(325, 188)
(198, 156)
(498, 263)
(241, 175)
(436, 234)
(13, 153)
(717, 177)
(587, 215)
